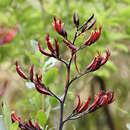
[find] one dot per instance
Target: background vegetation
(31, 20)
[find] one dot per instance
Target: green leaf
(14, 126)
(50, 76)
(41, 118)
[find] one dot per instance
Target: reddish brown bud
(42, 51)
(31, 72)
(90, 18)
(41, 90)
(49, 44)
(85, 106)
(14, 118)
(91, 24)
(76, 21)
(104, 59)
(20, 72)
(78, 105)
(38, 79)
(57, 48)
(71, 46)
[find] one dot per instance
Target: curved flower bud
(20, 72)
(104, 59)
(85, 26)
(78, 105)
(31, 72)
(91, 24)
(14, 118)
(85, 106)
(41, 90)
(42, 51)
(49, 44)
(76, 21)
(57, 48)
(71, 46)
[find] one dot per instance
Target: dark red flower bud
(38, 78)
(85, 106)
(91, 24)
(20, 72)
(41, 90)
(29, 124)
(71, 46)
(49, 44)
(78, 105)
(42, 51)
(104, 59)
(90, 18)
(57, 48)
(31, 72)
(75, 19)
(110, 97)
(14, 118)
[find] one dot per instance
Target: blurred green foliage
(33, 18)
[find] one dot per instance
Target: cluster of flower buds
(54, 51)
(95, 35)
(40, 87)
(98, 61)
(59, 27)
(7, 35)
(27, 125)
(102, 99)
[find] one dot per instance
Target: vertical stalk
(61, 115)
